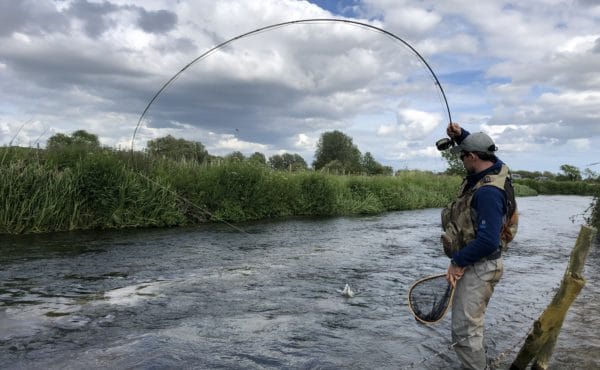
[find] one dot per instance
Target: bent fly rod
(269, 28)
(285, 24)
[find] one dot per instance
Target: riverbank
(100, 191)
(47, 192)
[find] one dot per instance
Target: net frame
(411, 306)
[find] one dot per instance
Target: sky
(527, 73)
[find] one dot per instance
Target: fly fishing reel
(444, 144)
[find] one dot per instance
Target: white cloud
(229, 143)
(411, 124)
(402, 153)
(579, 144)
(461, 43)
(578, 44)
(408, 19)
(305, 143)
(574, 99)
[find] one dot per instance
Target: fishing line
(185, 200)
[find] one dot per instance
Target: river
(211, 297)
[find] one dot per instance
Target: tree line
(76, 183)
(567, 172)
(336, 153)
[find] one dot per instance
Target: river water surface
(215, 298)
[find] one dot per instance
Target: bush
(317, 195)
(551, 187)
(594, 219)
(522, 190)
(64, 189)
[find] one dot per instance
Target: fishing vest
(459, 219)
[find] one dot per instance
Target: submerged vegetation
(77, 184)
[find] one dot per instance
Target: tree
(257, 158)
(67, 150)
(455, 165)
(524, 174)
(84, 138)
(549, 174)
(571, 172)
(371, 167)
(287, 162)
(276, 162)
(178, 149)
(59, 141)
(236, 156)
(387, 170)
(369, 164)
(336, 145)
(80, 139)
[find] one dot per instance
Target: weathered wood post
(541, 340)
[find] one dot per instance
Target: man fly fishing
(477, 226)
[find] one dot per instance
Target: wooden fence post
(541, 340)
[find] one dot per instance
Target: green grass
(45, 191)
(551, 187)
(241, 191)
(95, 191)
(522, 190)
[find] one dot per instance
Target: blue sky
(526, 73)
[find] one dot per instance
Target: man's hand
(453, 131)
(454, 274)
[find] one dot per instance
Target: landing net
(429, 298)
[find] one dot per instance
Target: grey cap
(476, 142)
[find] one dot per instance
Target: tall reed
(95, 192)
(69, 189)
(35, 199)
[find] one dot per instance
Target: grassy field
(45, 191)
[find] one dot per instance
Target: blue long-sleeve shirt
(489, 205)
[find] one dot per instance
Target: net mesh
(429, 298)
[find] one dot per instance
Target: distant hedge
(551, 187)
